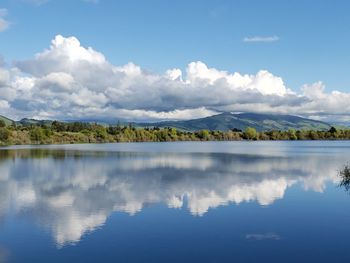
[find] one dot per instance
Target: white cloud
(41, 2)
(91, 1)
(4, 24)
(265, 39)
(4, 105)
(263, 236)
(79, 82)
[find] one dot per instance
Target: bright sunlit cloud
(261, 39)
(68, 80)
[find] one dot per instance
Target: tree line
(81, 132)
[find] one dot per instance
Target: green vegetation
(78, 132)
(5, 120)
(250, 133)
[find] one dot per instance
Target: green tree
(332, 130)
(313, 135)
(292, 134)
(101, 133)
(250, 133)
(173, 133)
(37, 134)
(204, 135)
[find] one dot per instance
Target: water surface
(175, 202)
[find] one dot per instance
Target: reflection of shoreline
(72, 193)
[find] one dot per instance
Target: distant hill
(26, 122)
(227, 121)
(7, 121)
(224, 121)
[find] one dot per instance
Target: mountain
(227, 121)
(26, 122)
(7, 121)
(224, 121)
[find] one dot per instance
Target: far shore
(81, 133)
(95, 141)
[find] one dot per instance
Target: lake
(175, 202)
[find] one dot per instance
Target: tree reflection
(345, 177)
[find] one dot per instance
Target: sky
(160, 59)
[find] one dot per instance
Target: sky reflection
(71, 192)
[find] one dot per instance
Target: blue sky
(314, 39)
(302, 42)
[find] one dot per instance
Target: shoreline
(13, 146)
(82, 133)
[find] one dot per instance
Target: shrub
(250, 133)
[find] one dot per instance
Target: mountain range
(228, 121)
(223, 121)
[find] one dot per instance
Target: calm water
(175, 202)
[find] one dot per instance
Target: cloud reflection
(259, 237)
(72, 193)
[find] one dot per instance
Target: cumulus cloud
(68, 80)
(4, 24)
(264, 236)
(265, 39)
